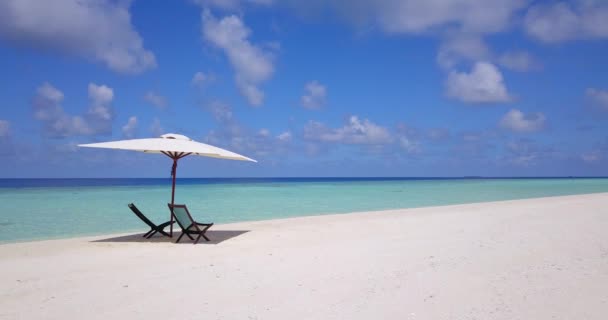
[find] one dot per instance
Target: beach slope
(543, 258)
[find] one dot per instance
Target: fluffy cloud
(484, 84)
(407, 138)
(222, 112)
(252, 64)
(591, 157)
(156, 128)
(5, 128)
(517, 121)
(420, 16)
(409, 145)
(405, 16)
(526, 153)
(101, 97)
(229, 4)
(438, 134)
(457, 48)
(598, 97)
(562, 21)
(355, 131)
(58, 124)
(129, 129)
(98, 30)
(156, 99)
(200, 79)
(285, 136)
(461, 23)
(518, 61)
(236, 136)
(314, 96)
(47, 102)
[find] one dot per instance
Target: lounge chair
(188, 225)
(153, 228)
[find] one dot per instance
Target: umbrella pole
(175, 156)
(173, 171)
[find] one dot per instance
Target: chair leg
(204, 231)
(180, 237)
(147, 233)
(161, 228)
(189, 236)
(198, 238)
(151, 234)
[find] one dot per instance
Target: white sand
(528, 259)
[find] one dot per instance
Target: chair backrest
(183, 217)
(141, 215)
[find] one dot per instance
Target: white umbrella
(174, 146)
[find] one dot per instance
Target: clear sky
(308, 88)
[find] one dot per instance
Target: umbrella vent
(175, 136)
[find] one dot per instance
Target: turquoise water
(32, 213)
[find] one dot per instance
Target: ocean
(37, 209)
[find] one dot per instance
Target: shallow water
(48, 209)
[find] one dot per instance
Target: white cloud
(314, 96)
(101, 97)
(156, 129)
(591, 157)
(285, 136)
(355, 131)
(47, 103)
(404, 16)
(129, 129)
(526, 153)
(409, 145)
(419, 16)
(407, 139)
(57, 123)
(201, 79)
(598, 96)
(517, 121)
(438, 134)
(518, 60)
(562, 21)
(5, 128)
(156, 99)
(264, 132)
(457, 48)
(98, 30)
(230, 4)
(221, 111)
(235, 136)
(484, 84)
(522, 153)
(252, 64)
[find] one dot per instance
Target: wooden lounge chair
(153, 228)
(188, 225)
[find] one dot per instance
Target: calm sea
(33, 209)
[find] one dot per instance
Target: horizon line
(325, 177)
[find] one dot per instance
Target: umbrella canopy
(170, 144)
(175, 146)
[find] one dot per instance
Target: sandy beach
(543, 258)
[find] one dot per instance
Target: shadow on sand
(216, 237)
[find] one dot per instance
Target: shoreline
(143, 226)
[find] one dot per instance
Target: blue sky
(325, 88)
